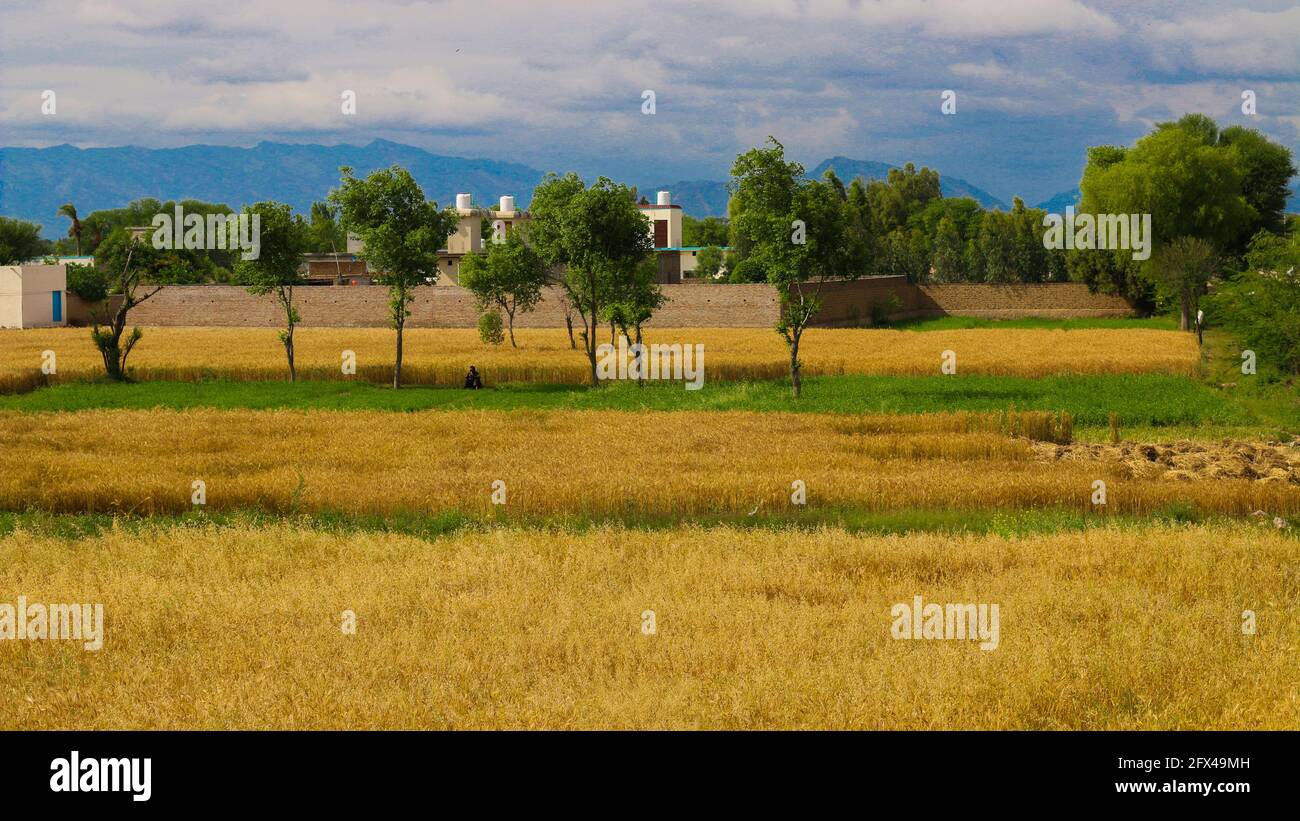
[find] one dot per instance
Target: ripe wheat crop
(441, 356)
(209, 627)
(569, 462)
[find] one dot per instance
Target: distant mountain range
(34, 182)
(1058, 203)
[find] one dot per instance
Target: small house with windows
(33, 296)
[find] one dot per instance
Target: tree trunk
(112, 358)
(288, 351)
(510, 324)
(568, 321)
(589, 346)
(286, 302)
(640, 352)
(1185, 316)
(112, 352)
(397, 368)
(796, 380)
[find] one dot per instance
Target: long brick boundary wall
(1053, 299)
(694, 305)
(740, 306)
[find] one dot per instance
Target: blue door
(57, 307)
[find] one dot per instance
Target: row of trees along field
(1217, 200)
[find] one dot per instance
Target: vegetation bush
(490, 328)
(87, 282)
(1261, 305)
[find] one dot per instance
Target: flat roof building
(33, 296)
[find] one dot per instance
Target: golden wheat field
(578, 462)
(242, 627)
(441, 356)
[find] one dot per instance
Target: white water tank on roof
(507, 204)
(665, 198)
(463, 202)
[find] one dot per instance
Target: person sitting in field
(472, 379)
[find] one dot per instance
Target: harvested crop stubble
(1232, 459)
(561, 462)
(210, 627)
(441, 356)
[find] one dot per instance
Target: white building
(33, 296)
(665, 221)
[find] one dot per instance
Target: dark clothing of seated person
(472, 379)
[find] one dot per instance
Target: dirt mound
(1186, 460)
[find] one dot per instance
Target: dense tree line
(1222, 187)
(904, 226)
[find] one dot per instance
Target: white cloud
(1236, 40)
(560, 82)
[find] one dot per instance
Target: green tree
(277, 269)
(1180, 175)
(904, 193)
(1261, 304)
(401, 231)
(634, 301)
(136, 272)
(797, 230)
(88, 282)
(325, 234)
(709, 262)
(1029, 257)
(702, 232)
(1267, 169)
(1112, 272)
(20, 241)
(204, 265)
(1181, 270)
(598, 235)
(904, 252)
(74, 230)
(509, 275)
(949, 252)
(489, 327)
(997, 248)
(974, 260)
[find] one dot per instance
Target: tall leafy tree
(707, 231)
(949, 252)
(710, 262)
(997, 247)
(797, 230)
(905, 192)
(509, 275)
(598, 235)
(1267, 169)
(20, 241)
(325, 233)
(1179, 175)
(1029, 257)
(277, 269)
(634, 301)
(402, 232)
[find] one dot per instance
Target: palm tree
(70, 211)
(325, 217)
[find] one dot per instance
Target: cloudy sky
(558, 85)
